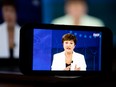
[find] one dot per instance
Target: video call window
(48, 42)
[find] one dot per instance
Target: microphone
(72, 61)
(70, 64)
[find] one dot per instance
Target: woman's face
(76, 10)
(69, 46)
(9, 14)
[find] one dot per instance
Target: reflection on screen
(46, 43)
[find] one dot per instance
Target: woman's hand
(77, 68)
(67, 68)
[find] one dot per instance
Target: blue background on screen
(49, 42)
(42, 49)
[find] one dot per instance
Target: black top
(11, 53)
(68, 64)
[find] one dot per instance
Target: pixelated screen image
(47, 42)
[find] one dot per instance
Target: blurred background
(16, 13)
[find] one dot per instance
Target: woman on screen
(68, 59)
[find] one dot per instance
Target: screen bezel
(26, 49)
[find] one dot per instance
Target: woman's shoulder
(58, 54)
(78, 54)
(3, 24)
